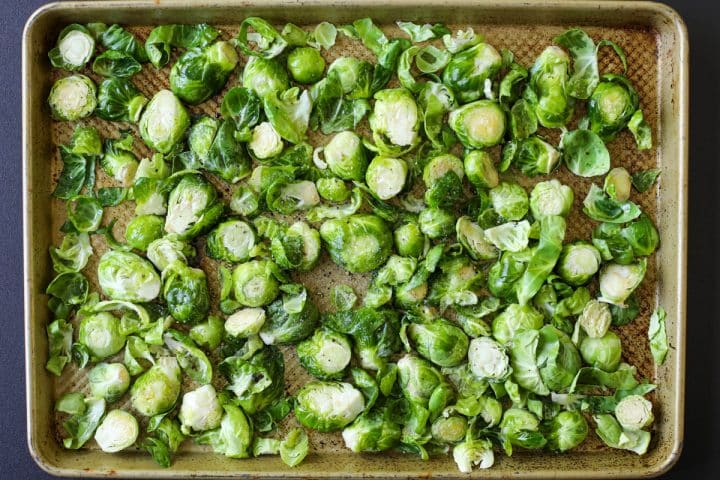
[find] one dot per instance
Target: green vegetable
(358, 243)
(258, 381)
(157, 390)
(201, 72)
(642, 181)
(109, 381)
(164, 121)
(328, 406)
(200, 410)
(326, 354)
(306, 65)
(72, 98)
(163, 37)
(119, 100)
(469, 69)
(255, 283)
(658, 336)
(193, 207)
(75, 46)
(117, 38)
(80, 427)
(144, 230)
(598, 206)
(129, 277)
(479, 124)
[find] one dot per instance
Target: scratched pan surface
(655, 41)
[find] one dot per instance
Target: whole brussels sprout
(551, 198)
(164, 121)
(265, 142)
(193, 207)
(72, 98)
(439, 341)
(100, 333)
(487, 359)
(479, 124)
(634, 412)
(566, 431)
(117, 431)
(326, 354)
(617, 282)
(595, 319)
(156, 391)
(436, 222)
(386, 176)
(298, 247)
(612, 105)
(359, 243)
(129, 277)
(603, 353)
(143, 230)
(200, 410)
(469, 69)
(409, 240)
(372, 431)
(74, 48)
(232, 241)
(245, 323)
(578, 263)
(201, 72)
(109, 381)
(395, 121)
(291, 318)
(328, 406)
(265, 76)
(449, 429)
(345, 156)
(515, 319)
(509, 200)
(255, 283)
(186, 292)
(618, 184)
(306, 65)
(480, 169)
(548, 85)
(164, 251)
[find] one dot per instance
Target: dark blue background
(701, 455)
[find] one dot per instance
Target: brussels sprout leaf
(422, 33)
(585, 153)
(640, 130)
(658, 336)
(642, 181)
(164, 37)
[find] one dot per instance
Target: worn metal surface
(655, 42)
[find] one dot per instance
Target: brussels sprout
(603, 353)
(287, 197)
(480, 169)
(566, 431)
(234, 437)
(462, 40)
(244, 202)
(373, 431)
(595, 319)
(469, 69)
(578, 263)
(409, 240)
(255, 283)
(164, 251)
(112, 63)
(84, 213)
(436, 222)
(479, 124)
(119, 161)
(395, 121)
(291, 318)
(200, 410)
(328, 406)
(257, 382)
(199, 73)
(614, 436)
(144, 230)
(611, 105)
(86, 141)
(265, 76)
(585, 153)
(119, 100)
(306, 65)
(74, 48)
(355, 76)
(164, 121)
(109, 381)
(73, 253)
(617, 282)
(72, 98)
(326, 354)
(515, 319)
(80, 426)
(386, 176)
(519, 427)
(359, 243)
(289, 113)
(149, 188)
(510, 236)
(343, 298)
(449, 429)
(548, 85)
(186, 292)
(298, 247)
(193, 207)
(232, 241)
(543, 258)
(644, 179)
(618, 184)
(634, 412)
(488, 360)
(295, 447)
(117, 38)
(443, 178)
(473, 453)
(535, 156)
(657, 334)
(72, 403)
(551, 198)
(439, 341)
(265, 142)
(157, 390)
(245, 322)
(332, 189)
(345, 156)
(509, 200)
(457, 284)
(201, 135)
(129, 277)
(425, 388)
(117, 431)
(599, 206)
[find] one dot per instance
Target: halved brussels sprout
(386, 176)
(245, 323)
(186, 292)
(232, 241)
(74, 48)
(510, 236)
(129, 277)
(109, 381)
(449, 429)
(257, 382)
(287, 197)
(200, 410)
(117, 431)
(436, 222)
(373, 431)
(119, 161)
(439, 341)
(72, 98)
(617, 282)
(473, 453)
(164, 121)
(201, 72)
(193, 207)
(164, 251)
(488, 360)
(515, 319)
(615, 436)
(244, 202)
(142, 230)
(443, 177)
(395, 121)
(548, 86)
(291, 318)
(326, 354)
(234, 437)
(612, 105)
(265, 142)
(359, 243)
(473, 239)
(409, 240)
(618, 184)
(469, 69)
(479, 124)
(480, 169)
(298, 247)
(566, 431)
(578, 263)
(595, 319)
(603, 353)
(157, 390)
(551, 198)
(100, 333)
(510, 200)
(306, 65)
(634, 412)
(521, 428)
(328, 406)
(255, 283)
(332, 189)
(345, 156)
(265, 76)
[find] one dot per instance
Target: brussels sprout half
(127, 276)
(74, 48)
(200, 410)
(395, 121)
(232, 241)
(345, 156)
(328, 406)
(164, 121)
(469, 69)
(326, 354)
(479, 124)
(100, 333)
(386, 176)
(109, 381)
(117, 431)
(359, 243)
(72, 98)
(157, 390)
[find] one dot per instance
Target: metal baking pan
(655, 40)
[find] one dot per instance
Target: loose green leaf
(642, 181)
(640, 130)
(585, 153)
(658, 336)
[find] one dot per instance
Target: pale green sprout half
(345, 156)
(479, 124)
(328, 406)
(474, 239)
(164, 121)
(109, 381)
(245, 322)
(551, 198)
(487, 359)
(200, 410)
(118, 431)
(385, 176)
(395, 120)
(595, 319)
(265, 141)
(578, 263)
(156, 391)
(618, 184)
(472, 453)
(617, 281)
(480, 169)
(634, 412)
